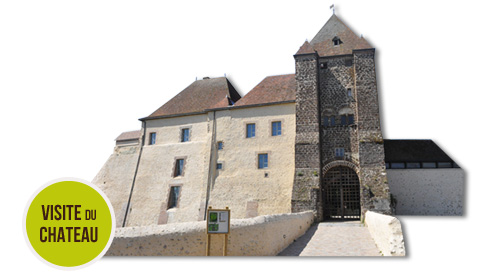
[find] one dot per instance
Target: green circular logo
(69, 223)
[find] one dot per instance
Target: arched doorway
(341, 194)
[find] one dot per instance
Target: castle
(305, 141)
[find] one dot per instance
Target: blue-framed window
(343, 119)
(219, 165)
(263, 161)
(152, 138)
(332, 121)
(220, 145)
(185, 135)
(173, 199)
(339, 152)
(325, 120)
(250, 130)
(350, 119)
(276, 126)
(179, 167)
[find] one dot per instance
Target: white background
(75, 74)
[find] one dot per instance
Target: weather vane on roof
(333, 8)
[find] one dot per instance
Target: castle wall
(115, 178)
(155, 174)
(335, 80)
(375, 194)
(428, 191)
(306, 193)
(247, 190)
(260, 236)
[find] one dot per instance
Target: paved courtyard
(334, 239)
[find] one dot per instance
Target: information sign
(218, 221)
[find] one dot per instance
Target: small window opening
(219, 165)
(336, 41)
(173, 199)
(339, 152)
(276, 128)
(179, 167)
(262, 161)
(349, 93)
(152, 138)
(220, 145)
(185, 135)
(251, 130)
(323, 65)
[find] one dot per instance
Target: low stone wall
(259, 236)
(435, 191)
(387, 233)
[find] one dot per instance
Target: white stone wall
(438, 191)
(115, 178)
(260, 236)
(387, 233)
(155, 174)
(240, 184)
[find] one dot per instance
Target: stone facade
(337, 112)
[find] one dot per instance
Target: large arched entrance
(341, 194)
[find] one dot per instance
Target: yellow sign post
(218, 222)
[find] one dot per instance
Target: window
(220, 145)
(332, 121)
(325, 121)
(185, 135)
(336, 41)
(262, 161)
(179, 167)
(428, 165)
(152, 138)
(323, 65)
(251, 130)
(219, 165)
(347, 119)
(397, 165)
(350, 119)
(339, 152)
(412, 165)
(349, 93)
(173, 199)
(276, 128)
(444, 165)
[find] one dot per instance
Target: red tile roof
(129, 135)
(271, 90)
(197, 97)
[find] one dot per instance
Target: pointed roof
(306, 48)
(335, 28)
(272, 89)
(198, 97)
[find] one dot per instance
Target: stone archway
(341, 194)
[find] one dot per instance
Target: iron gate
(341, 193)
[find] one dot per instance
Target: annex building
(297, 142)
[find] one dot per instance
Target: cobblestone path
(334, 239)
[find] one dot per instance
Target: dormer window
(336, 41)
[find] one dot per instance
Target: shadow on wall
(298, 245)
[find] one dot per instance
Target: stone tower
(339, 150)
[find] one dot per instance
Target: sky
(75, 74)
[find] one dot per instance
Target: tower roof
(197, 97)
(334, 28)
